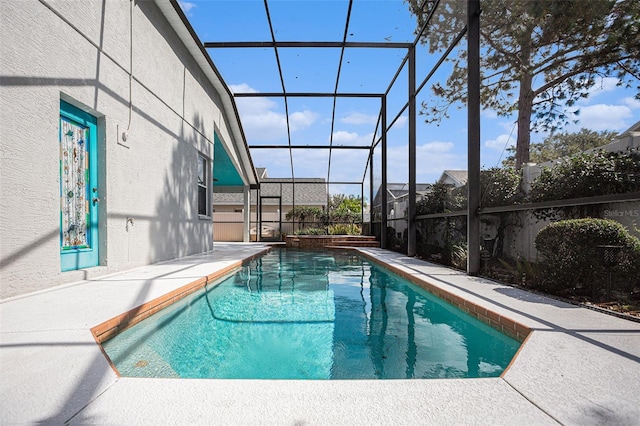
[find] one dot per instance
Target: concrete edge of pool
(502, 323)
(576, 367)
(112, 327)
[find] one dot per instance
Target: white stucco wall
(80, 51)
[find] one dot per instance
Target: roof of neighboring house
(397, 190)
(630, 131)
(262, 173)
(455, 177)
(308, 192)
(629, 139)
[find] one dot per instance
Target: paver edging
(502, 323)
(113, 326)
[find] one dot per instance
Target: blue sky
(439, 147)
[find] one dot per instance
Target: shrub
(572, 262)
(521, 271)
(311, 231)
(345, 229)
(438, 200)
(588, 175)
(501, 186)
(459, 256)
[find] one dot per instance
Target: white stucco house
(457, 178)
(113, 124)
(268, 208)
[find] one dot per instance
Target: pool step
(360, 242)
(320, 241)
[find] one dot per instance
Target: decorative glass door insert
(78, 189)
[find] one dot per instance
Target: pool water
(295, 314)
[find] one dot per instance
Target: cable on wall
(125, 134)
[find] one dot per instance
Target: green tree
(345, 208)
(305, 214)
(539, 57)
(346, 202)
(563, 145)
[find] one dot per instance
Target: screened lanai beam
(427, 78)
(410, 57)
(369, 165)
(383, 185)
(304, 44)
(306, 95)
(372, 147)
(414, 44)
(335, 90)
(443, 58)
(309, 147)
(286, 104)
(344, 183)
(473, 137)
(411, 214)
(284, 91)
(275, 180)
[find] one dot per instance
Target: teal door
(78, 189)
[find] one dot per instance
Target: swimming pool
(311, 315)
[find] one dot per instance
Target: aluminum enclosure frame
(471, 30)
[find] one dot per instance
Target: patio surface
(577, 367)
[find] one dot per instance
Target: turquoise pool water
(311, 315)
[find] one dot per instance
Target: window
(203, 186)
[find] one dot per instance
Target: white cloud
(431, 147)
(342, 137)
(263, 126)
(509, 126)
(431, 159)
(631, 102)
(602, 117)
(186, 6)
(348, 165)
(261, 119)
(489, 113)
(300, 120)
(276, 161)
(255, 106)
(242, 88)
(359, 118)
(402, 121)
(501, 142)
(603, 85)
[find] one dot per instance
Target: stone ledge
(324, 241)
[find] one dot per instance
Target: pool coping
(502, 323)
(113, 326)
(116, 325)
(577, 366)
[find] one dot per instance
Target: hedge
(572, 262)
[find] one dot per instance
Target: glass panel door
(78, 189)
(270, 223)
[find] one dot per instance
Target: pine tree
(539, 57)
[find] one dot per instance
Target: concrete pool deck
(577, 367)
